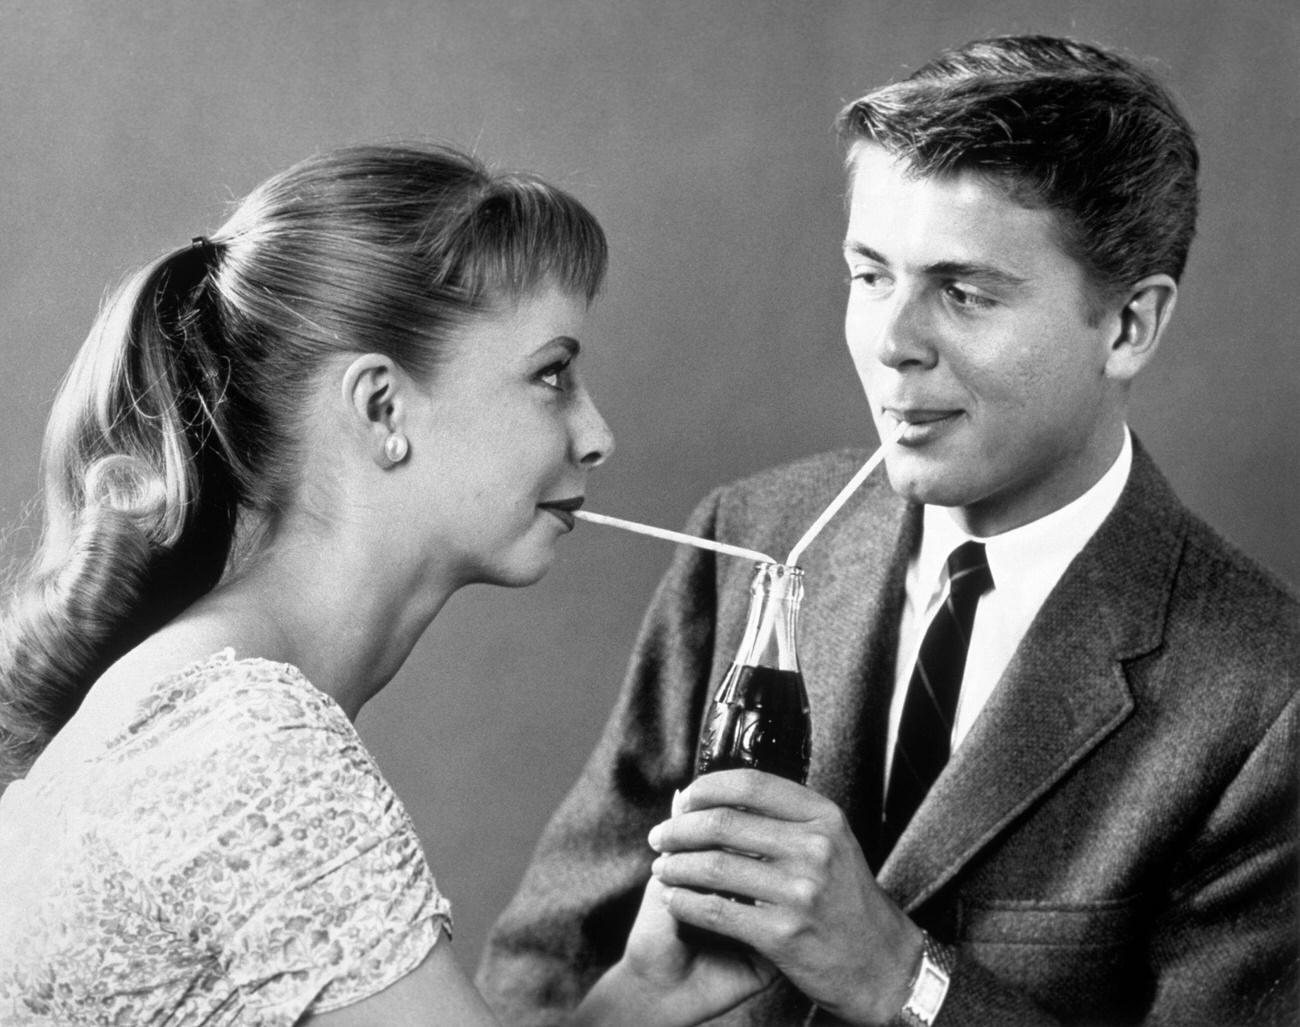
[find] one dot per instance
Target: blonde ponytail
(139, 504)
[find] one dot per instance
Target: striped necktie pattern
(930, 709)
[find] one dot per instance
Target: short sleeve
(311, 882)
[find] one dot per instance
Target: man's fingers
(721, 827)
(766, 794)
(717, 870)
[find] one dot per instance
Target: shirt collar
(1046, 545)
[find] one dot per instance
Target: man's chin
(932, 487)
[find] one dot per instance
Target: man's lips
(563, 509)
(922, 422)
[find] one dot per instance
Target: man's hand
(817, 911)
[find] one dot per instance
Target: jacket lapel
(1064, 692)
(850, 628)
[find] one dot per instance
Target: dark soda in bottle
(759, 715)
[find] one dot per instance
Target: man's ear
(373, 393)
(1142, 322)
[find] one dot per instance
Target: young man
(1066, 794)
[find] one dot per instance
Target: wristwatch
(929, 986)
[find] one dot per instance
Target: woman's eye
(555, 376)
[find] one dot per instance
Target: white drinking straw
(844, 495)
(673, 536)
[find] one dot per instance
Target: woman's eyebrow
(567, 342)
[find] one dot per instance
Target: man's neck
(996, 516)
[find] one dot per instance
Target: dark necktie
(930, 708)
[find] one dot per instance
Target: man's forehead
(877, 175)
(956, 217)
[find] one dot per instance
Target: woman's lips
(562, 510)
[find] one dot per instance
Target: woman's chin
(522, 573)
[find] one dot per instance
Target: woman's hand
(663, 981)
(817, 912)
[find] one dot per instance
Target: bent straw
(673, 536)
(844, 495)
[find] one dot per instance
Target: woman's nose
(593, 442)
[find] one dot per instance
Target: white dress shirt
(1026, 563)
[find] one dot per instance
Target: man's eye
(867, 277)
(966, 298)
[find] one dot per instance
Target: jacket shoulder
(1220, 561)
(772, 508)
(1239, 609)
(801, 486)
(1226, 631)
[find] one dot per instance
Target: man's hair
(1060, 125)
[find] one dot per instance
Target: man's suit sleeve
(571, 915)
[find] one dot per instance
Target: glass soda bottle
(759, 716)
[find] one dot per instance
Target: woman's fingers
(720, 914)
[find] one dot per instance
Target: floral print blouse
(231, 855)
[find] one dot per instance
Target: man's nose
(899, 333)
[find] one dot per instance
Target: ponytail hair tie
(207, 251)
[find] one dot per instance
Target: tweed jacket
(1114, 842)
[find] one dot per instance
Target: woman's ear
(1142, 323)
(374, 397)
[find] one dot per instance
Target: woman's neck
(346, 614)
(345, 623)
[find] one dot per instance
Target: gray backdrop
(700, 132)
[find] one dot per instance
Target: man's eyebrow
(968, 270)
(858, 249)
(972, 272)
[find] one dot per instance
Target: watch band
(929, 986)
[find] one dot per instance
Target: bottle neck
(772, 627)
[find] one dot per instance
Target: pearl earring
(396, 447)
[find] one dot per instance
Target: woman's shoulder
(236, 806)
(201, 704)
(249, 730)
(299, 827)
(249, 693)
(218, 740)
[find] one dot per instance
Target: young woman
(281, 449)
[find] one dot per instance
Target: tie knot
(968, 570)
